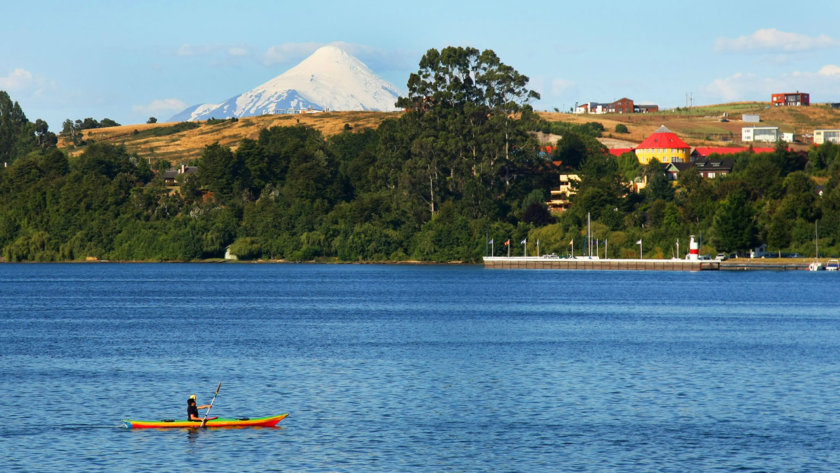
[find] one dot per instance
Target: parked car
(721, 257)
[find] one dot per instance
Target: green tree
(16, 133)
(221, 171)
(107, 122)
(734, 228)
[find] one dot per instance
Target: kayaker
(192, 410)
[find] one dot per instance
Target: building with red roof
(619, 151)
(664, 146)
(790, 99)
(706, 151)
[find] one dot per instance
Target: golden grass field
(701, 126)
(188, 144)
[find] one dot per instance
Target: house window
(710, 175)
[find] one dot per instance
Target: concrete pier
(584, 263)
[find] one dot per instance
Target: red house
(794, 99)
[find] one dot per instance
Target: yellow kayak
(220, 422)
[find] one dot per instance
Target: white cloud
(829, 70)
(774, 40)
(729, 88)
(160, 106)
(216, 51)
(23, 82)
(561, 86)
(18, 79)
(288, 52)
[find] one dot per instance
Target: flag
(523, 241)
(490, 242)
(507, 242)
(572, 241)
(639, 242)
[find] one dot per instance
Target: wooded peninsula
(459, 167)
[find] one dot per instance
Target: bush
(621, 128)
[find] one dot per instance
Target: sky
(131, 60)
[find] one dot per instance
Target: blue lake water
(419, 368)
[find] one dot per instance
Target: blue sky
(129, 60)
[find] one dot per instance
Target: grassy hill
(182, 142)
(702, 126)
(698, 126)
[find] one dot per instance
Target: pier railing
(584, 263)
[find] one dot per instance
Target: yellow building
(664, 146)
(560, 197)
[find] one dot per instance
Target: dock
(585, 263)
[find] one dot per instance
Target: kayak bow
(220, 422)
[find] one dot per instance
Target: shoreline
(514, 262)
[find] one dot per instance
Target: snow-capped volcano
(329, 79)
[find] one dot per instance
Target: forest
(458, 168)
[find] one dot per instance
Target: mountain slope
(329, 79)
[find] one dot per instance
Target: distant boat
(815, 266)
(833, 265)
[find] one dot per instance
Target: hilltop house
(622, 105)
(664, 146)
(788, 99)
(826, 136)
(708, 168)
(768, 134)
(170, 177)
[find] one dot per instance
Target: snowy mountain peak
(329, 79)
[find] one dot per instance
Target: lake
(419, 368)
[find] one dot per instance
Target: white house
(592, 107)
(826, 136)
(768, 134)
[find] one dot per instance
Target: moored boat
(833, 265)
(270, 421)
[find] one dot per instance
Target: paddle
(211, 404)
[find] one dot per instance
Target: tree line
(461, 166)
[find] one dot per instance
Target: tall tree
(462, 104)
(734, 228)
(17, 135)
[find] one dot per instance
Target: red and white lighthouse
(693, 250)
